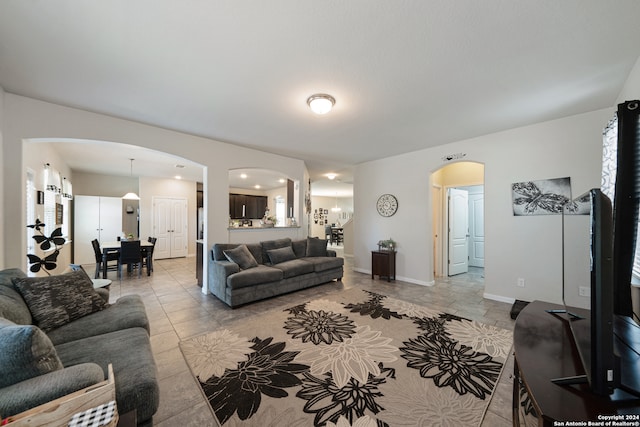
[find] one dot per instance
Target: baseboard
(499, 298)
(400, 278)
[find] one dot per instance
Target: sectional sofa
(243, 273)
(58, 335)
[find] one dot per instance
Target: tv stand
(544, 350)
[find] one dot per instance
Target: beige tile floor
(177, 310)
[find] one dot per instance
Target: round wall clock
(387, 204)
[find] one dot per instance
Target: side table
(383, 264)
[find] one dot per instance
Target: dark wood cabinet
(383, 264)
(244, 206)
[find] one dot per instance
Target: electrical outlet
(584, 291)
(521, 282)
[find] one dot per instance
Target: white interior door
(476, 230)
(458, 231)
(95, 217)
(436, 193)
(111, 219)
(170, 227)
(178, 228)
(86, 227)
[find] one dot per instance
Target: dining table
(115, 247)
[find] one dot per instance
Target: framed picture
(326, 211)
(59, 213)
(544, 197)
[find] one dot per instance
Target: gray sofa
(44, 358)
(274, 267)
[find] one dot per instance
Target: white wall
(28, 118)
(526, 247)
(2, 265)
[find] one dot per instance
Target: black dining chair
(131, 255)
(147, 254)
(111, 256)
(328, 234)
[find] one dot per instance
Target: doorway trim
(442, 211)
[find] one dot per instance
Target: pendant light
(131, 195)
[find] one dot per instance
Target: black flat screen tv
(608, 340)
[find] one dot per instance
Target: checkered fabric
(95, 417)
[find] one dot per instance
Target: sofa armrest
(39, 390)
(331, 252)
(218, 273)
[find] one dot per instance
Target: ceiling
(406, 75)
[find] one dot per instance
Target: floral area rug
(357, 359)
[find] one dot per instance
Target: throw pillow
(316, 247)
(241, 256)
(57, 300)
(27, 352)
(281, 255)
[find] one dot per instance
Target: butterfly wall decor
(544, 197)
(54, 241)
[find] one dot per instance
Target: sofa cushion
(12, 306)
(268, 245)
(294, 267)
(316, 247)
(324, 263)
(241, 256)
(219, 248)
(254, 276)
(127, 312)
(57, 300)
(276, 256)
(299, 248)
(134, 369)
(26, 353)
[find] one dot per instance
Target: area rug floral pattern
(372, 361)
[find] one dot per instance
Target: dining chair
(111, 256)
(131, 255)
(147, 254)
(328, 234)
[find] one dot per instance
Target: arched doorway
(458, 218)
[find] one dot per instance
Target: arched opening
(457, 191)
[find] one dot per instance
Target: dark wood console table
(544, 350)
(383, 264)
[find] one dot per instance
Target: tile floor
(177, 310)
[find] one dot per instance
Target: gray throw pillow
(57, 300)
(281, 255)
(241, 256)
(27, 352)
(316, 247)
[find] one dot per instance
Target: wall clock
(387, 204)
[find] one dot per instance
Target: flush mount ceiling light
(321, 103)
(331, 176)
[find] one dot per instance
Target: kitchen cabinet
(245, 206)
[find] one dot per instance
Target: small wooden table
(383, 264)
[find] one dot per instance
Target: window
(609, 164)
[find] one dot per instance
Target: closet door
(86, 227)
(170, 227)
(95, 218)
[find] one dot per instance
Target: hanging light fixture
(131, 195)
(337, 208)
(321, 103)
